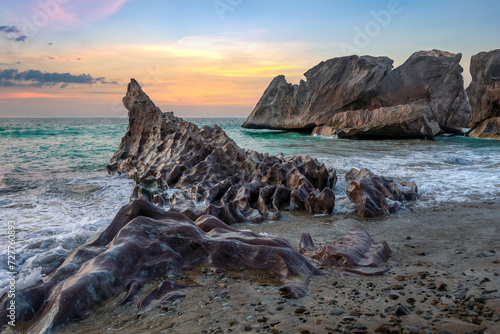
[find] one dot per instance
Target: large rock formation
(489, 129)
(430, 81)
(144, 243)
(197, 171)
(434, 77)
(484, 90)
(405, 121)
(332, 86)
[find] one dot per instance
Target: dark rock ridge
(332, 86)
(143, 243)
(489, 129)
(484, 94)
(363, 84)
(197, 171)
(377, 196)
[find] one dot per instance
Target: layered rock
(197, 171)
(405, 121)
(332, 86)
(489, 129)
(377, 196)
(142, 243)
(361, 85)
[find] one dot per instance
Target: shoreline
(445, 273)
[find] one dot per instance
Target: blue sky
(208, 57)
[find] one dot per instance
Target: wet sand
(444, 279)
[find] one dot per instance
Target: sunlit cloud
(27, 95)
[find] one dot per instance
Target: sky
(209, 58)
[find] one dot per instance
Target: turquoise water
(54, 185)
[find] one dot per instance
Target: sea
(55, 189)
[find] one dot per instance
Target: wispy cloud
(12, 33)
(80, 12)
(36, 78)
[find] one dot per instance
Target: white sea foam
(53, 222)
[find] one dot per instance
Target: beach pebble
(336, 311)
(299, 310)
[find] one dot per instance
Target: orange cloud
(27, 95)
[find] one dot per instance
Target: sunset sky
(208, 58)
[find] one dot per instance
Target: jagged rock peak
(210, 172)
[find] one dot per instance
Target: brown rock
(484, 89)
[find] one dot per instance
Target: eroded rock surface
(377, 196)
(355, 252)
(332, 86)
(144, 242)
(484, 90)
(196, 171)
(381, 102)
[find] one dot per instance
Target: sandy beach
(444, 279)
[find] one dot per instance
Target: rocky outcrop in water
(142, 243)
(434, 77)
(405, 121)
(377, 196)
(484, 89)
(484, 95)
(431, 80)
(196, 171)
(332, 86)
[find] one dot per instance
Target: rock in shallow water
(211, 173)
(405, 121)
(332, 86)
(362, 85)
(377, 196)
(489, 129)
